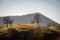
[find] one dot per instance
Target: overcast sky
(49, 8)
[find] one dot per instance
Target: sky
(49, 8)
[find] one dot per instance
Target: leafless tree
(36, 19)
(7, 21)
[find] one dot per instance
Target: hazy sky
(49, 8)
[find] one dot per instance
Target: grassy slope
(36, 30)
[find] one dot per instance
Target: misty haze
(29, 19)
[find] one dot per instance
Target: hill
(29, 32)
(26, 19)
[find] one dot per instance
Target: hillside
(26, 19)
(29, 32)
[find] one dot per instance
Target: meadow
(29, 32)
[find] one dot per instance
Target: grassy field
(29, 32)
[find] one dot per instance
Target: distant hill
(26, 19)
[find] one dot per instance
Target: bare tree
(36, 19)
(7, 21)
(11, 22)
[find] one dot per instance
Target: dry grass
(37, 32)
(26, 27)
